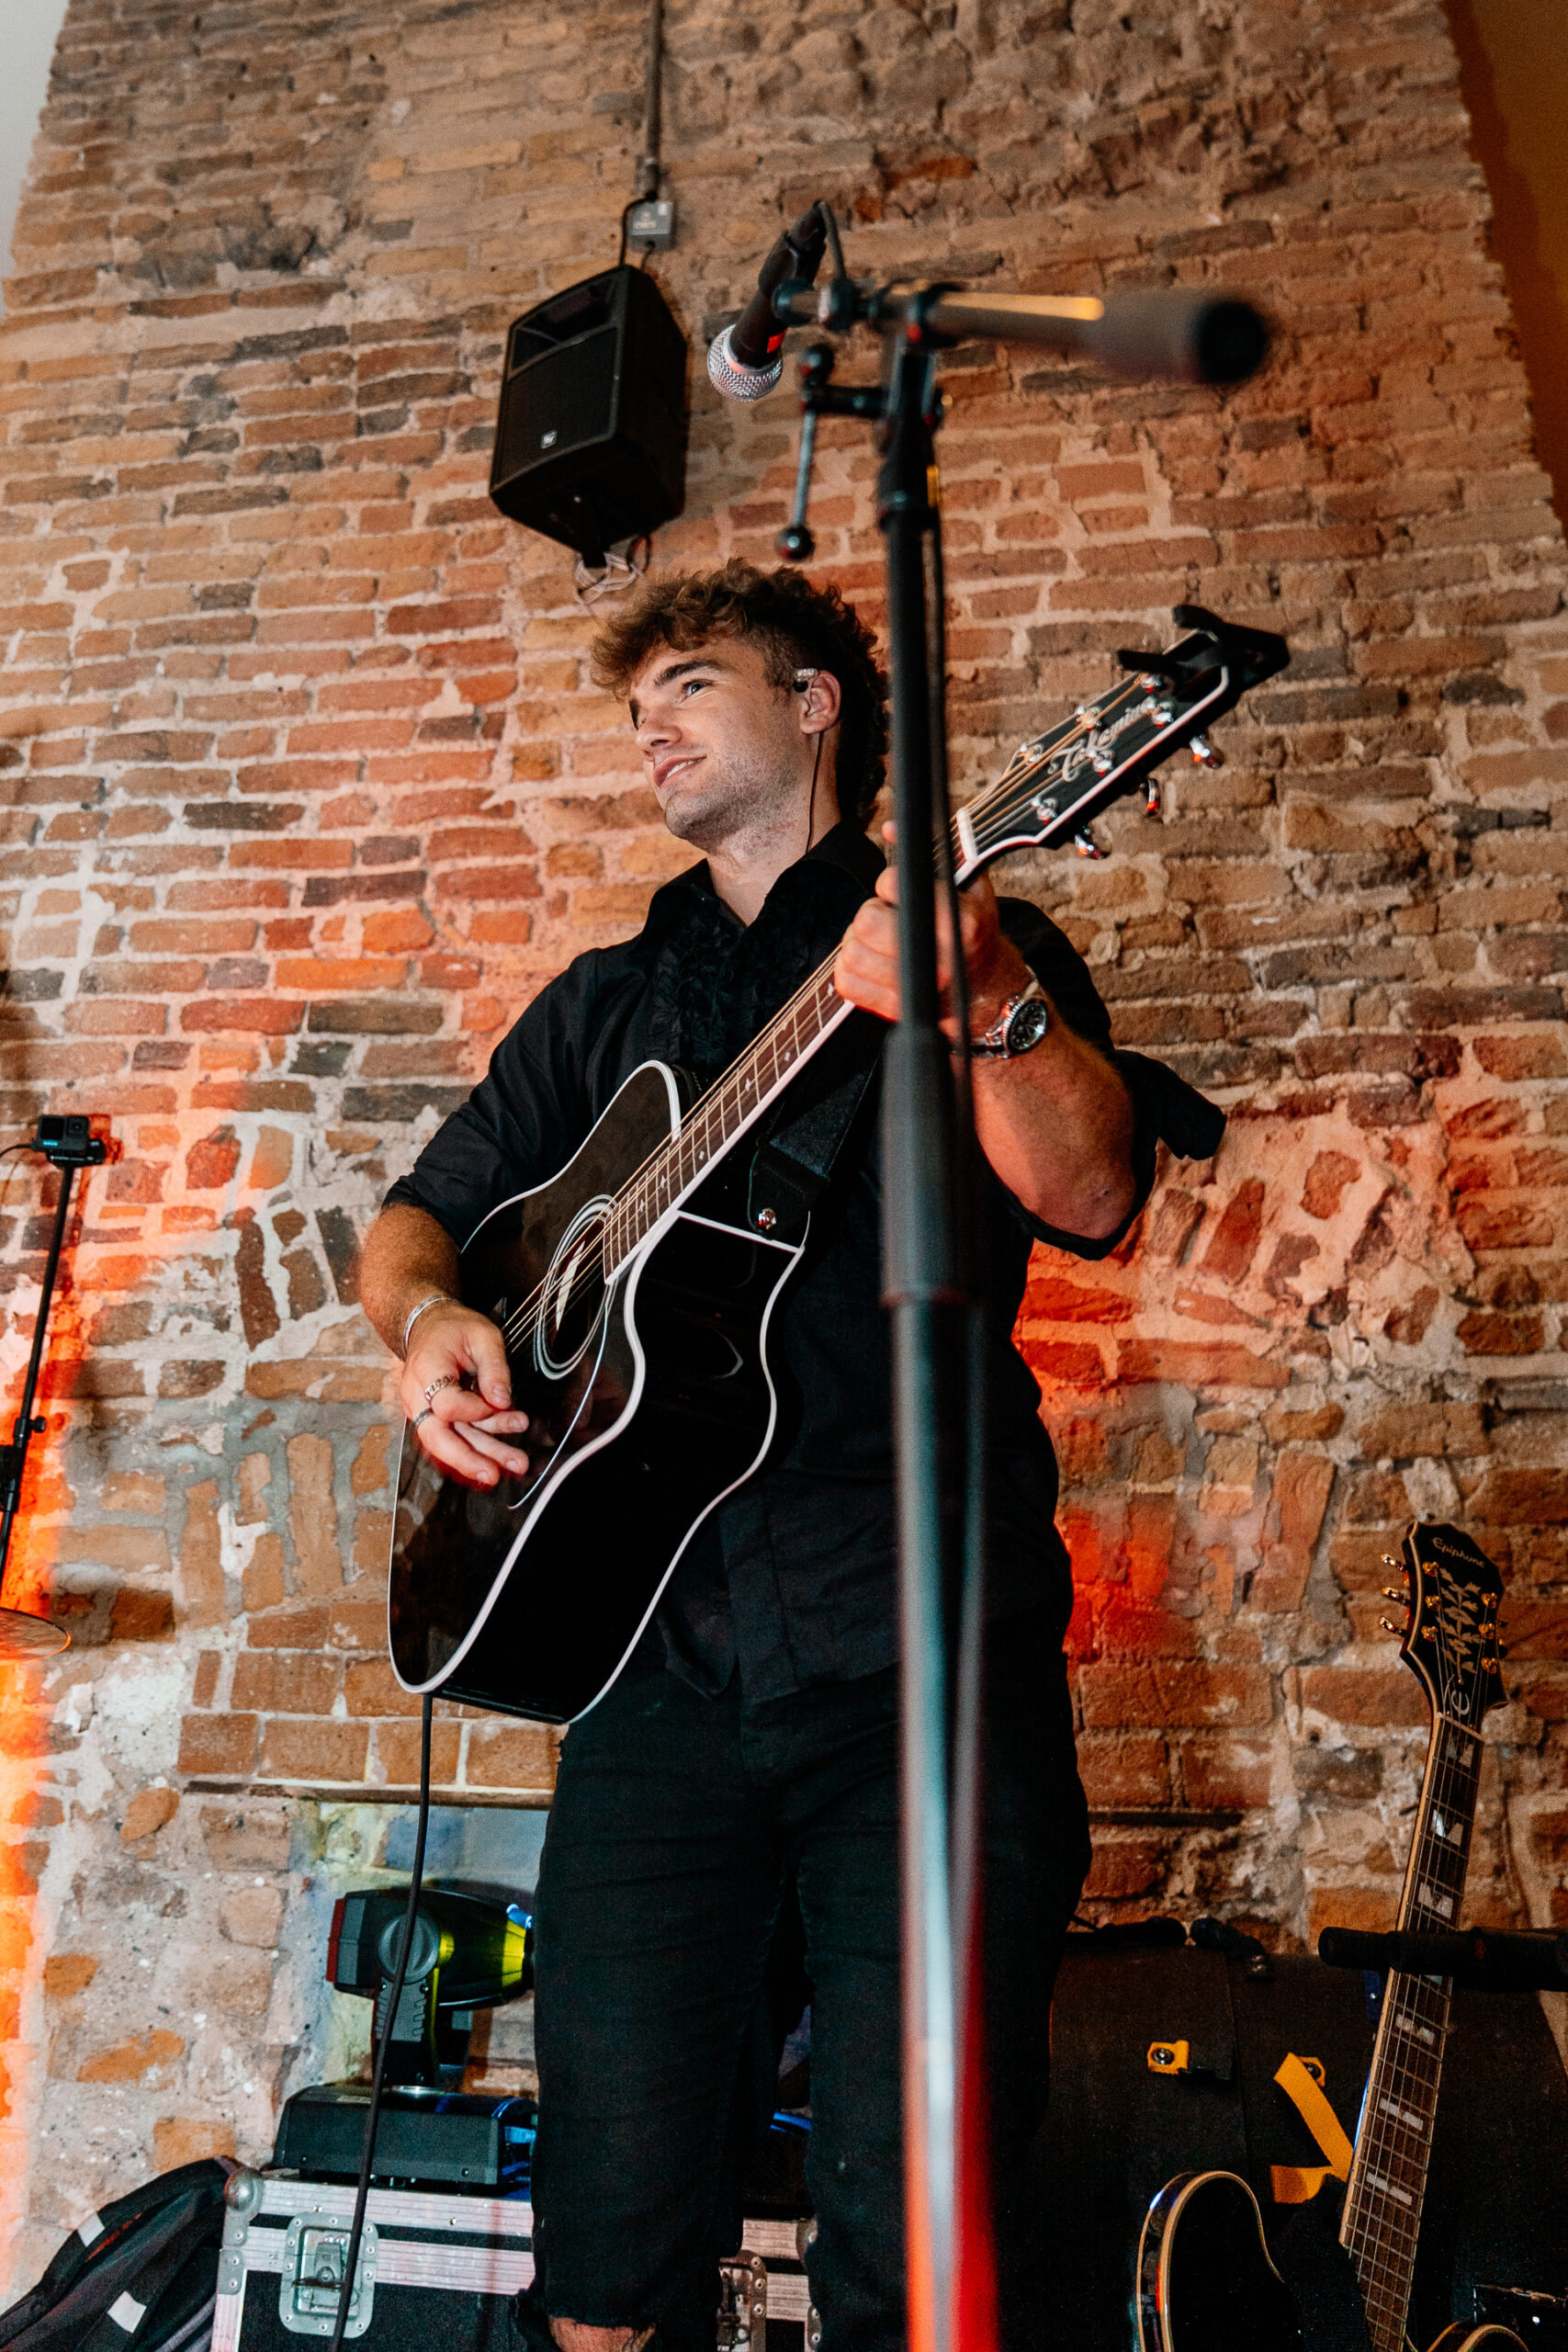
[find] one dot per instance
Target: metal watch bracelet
(1009, 1035)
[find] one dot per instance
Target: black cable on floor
(367, 2155)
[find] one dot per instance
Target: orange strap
(1296, 2184)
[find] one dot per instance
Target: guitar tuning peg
(1389, 1626)
(1393, 1592)
(1204, 753)
(1086, 845)
(1151, 798)
(1389, 1561)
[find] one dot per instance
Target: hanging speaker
(591, 441)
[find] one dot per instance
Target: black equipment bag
(140, 2276)
(1496, 2207)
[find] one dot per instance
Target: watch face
(1028, 1025)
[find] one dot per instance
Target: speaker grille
(558, 401)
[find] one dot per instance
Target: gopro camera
(69, 1142)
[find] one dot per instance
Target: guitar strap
(1295, 2184)
(803, 1140)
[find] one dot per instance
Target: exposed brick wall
(307, 793)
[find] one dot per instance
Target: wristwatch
(1017, 1029)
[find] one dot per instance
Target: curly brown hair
(797, 626)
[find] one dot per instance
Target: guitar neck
(1381, 2221)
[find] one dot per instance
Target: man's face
(724, 747)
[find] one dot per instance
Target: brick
(187, 2140)
(1175, 1692)
(1225, 1775)
(312, 1514)
(1197, 1365)
(511, 1755)
(66, 1973)
(143, 2058)
(148, 1811)
(297, 1750)
(1357, 1695)
(221, 1745)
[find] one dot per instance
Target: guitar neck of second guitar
(1381, 2222)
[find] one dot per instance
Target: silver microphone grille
(726, 374)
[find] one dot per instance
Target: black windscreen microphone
(747, 359)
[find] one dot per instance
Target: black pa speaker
(591, 442)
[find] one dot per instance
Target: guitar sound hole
(565, 1315)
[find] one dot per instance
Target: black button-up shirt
(791, 1580)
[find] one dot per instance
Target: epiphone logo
(1437, 1543)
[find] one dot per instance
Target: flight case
(442, 2269)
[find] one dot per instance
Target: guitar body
(648, 1403)
(1462, 2337)
(1205, 2280)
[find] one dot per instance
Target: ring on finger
(445, 1380)
(421, 1417)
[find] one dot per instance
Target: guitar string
(1398, 2076)
(1407, 2151)
(730, 1093)
(1413, 2070)
(1383, 2237)
(1005, 798)
(1002, 801)
(1409, 2075)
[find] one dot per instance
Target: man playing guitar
(751, 1742)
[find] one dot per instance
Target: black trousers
(677, 1823)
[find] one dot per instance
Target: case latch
(315, 2250)
(743, 2304)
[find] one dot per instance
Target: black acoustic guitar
(636, 1309)
(1206, 2282)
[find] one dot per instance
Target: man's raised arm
(1056, 1123)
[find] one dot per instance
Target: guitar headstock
(1453, 1592)
(1058, 783)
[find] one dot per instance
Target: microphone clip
(819, 397)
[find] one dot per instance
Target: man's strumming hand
(471, 1421)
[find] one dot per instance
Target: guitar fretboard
(1388, 2176)
(725, 1111)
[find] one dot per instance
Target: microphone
(1170, 334)
(746, 360)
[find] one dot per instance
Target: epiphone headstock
(1452, 1593)
(1057, 784)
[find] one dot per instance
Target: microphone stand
(23, 1634)
(931, 1278)
(930, 1285)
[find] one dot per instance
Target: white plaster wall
(28, 30)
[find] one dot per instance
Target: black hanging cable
(648, 165)
(367, 2154)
